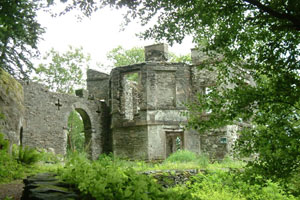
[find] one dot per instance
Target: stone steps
(45, 186)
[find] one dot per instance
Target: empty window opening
(178, 143)
(223, 140)
(131, 91)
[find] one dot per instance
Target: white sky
(97, 35)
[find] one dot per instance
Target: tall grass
(184, 157)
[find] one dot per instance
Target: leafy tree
(181, 58)
(64, 71)
(122, 57)
(257, 38)
(63, 74)
(19, 35)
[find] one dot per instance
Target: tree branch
(284, 16)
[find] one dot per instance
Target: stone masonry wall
(11, 107)
(47, 116)
(97, 84)
(136, 111)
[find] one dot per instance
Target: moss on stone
(11, 106)
(11, 86)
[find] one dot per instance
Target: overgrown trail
(13, 189)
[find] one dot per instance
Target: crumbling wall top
(156, 52)
(93, 75)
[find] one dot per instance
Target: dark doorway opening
(174, 142)
(21, 136)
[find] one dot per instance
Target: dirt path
(13, 189)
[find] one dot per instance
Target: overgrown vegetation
(23, 161)
(110, 177)
(113, 178)
(76, 137)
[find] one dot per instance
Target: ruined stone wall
(97, 84)
(11, 107)
(219, 143)
(47, 116)
(131, 142)
(149, 107)
(128, 113)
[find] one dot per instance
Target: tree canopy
(122, 57)
(19, 35)
(62, 72)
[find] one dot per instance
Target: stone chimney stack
(156, 52)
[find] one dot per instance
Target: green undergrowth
(24, 161)
(113, 178)
(181, 160)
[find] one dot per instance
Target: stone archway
(87, 129)
(83, 112)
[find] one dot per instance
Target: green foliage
(105, 179)
(28, 155)
(2, 116)
(180, 59)
(255, 38)
(184, 156)
(112, 178)
(63, 72)
(226, 186)
(227, 163)
(9, 167)
(19, 35)
(76, 138)
(3, 143)
(50, 157)
(122, 57)
(293, 183)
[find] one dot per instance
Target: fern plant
(28, 155)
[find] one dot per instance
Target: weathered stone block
(156, 52)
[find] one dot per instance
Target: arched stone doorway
(86, 129)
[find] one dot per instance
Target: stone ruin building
(135, 112)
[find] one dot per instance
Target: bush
(28, 155)
(49, 157)
(227, 186)
(9, 167)
(3, 143)
(106, 179)
(293, 183)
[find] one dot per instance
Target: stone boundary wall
(47, 118)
